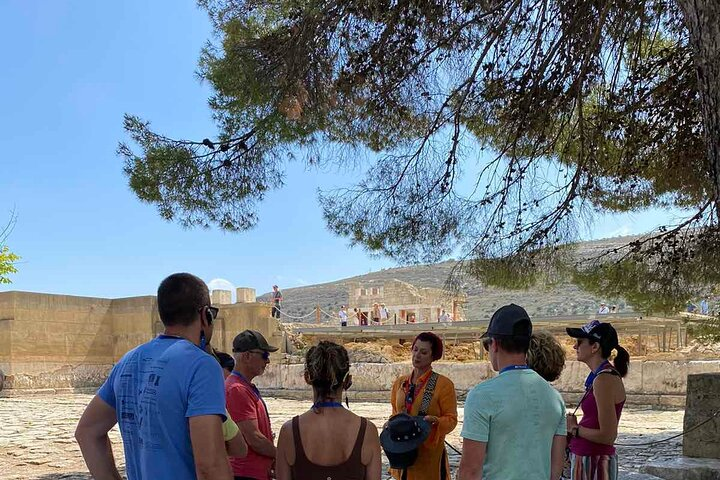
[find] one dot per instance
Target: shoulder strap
(299, 450)
(357, 449)
(611, 371)
(427, 394)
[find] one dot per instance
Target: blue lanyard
(254, 390)
(591, 377)
(513, 367)
(327, 405)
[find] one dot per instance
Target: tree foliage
(499, 126)
(7, 258)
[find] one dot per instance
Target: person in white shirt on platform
(343, 316)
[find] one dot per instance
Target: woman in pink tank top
(592, 454)
(328, 442)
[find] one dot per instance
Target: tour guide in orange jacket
(407, 394)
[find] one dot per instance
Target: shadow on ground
(69, 476)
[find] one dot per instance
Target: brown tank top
(350, 469)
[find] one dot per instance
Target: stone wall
(60, 341)
(703, 401)
(657, 383)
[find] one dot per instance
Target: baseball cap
(509, 321)
(251, 340)
(603, 333)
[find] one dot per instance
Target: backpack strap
(428, 393)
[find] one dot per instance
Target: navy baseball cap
(509, 321)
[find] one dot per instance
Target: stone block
(245, 295)
(684, 468)
(664, 377)
(221, 297)
(702, 401)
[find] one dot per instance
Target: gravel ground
(36, 434)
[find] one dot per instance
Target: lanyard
(254, 390)
(327, 405)
(591, 377)
(513, 367)
(412, 389)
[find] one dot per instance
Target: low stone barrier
(656, 383)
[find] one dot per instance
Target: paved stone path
(36, 434)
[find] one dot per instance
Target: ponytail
(622, 360)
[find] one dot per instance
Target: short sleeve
(562, 425)
(107, 391)
(206, 392)
(476, 424)
(229, 428)
(240, 404)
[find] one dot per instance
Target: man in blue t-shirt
(514, 426)
(167, 395)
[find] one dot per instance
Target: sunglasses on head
(265, 355)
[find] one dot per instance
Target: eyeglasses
(265, 355)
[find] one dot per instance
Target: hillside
(563, 299)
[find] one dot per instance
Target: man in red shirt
(247, 408)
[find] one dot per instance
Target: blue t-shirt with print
(155, 389)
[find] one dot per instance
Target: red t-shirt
(244, 403)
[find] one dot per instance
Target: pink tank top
(583, 446)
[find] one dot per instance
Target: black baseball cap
(251, 340)
(509, 321)
(602, 333)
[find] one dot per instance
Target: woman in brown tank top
(328, 442)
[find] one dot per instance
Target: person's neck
(595, 362)
(245, 372)
(419, 372)
(509, 359)
(327, 397)
(186, 332)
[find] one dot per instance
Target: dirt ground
(36, 434)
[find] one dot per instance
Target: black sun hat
(401, 438)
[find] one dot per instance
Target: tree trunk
(702, 18)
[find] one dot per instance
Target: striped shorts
(595, 467)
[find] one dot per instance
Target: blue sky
(71, 70)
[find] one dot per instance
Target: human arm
(92, 437)
(209, 448)
(371, 443)
(472, 460)
(557, 456)
(258, 442)
(603, 388)
(285, 453)
(234, 441)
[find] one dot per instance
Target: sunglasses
(410, 397)
(213, 313)
(486, 343)
(265, 355)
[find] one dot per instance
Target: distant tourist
(376, 314)
(411, 318)
(384, 314)
(704, 306)
(613, 309)
(444, 317)
(603, 310)
(431, 396)
(343, 316)
(167, 396)
(328, 441)
(691, 307)
(592, 454)
(277, 301)
(247, 407)
(514, 425)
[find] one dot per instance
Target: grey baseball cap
(251, 340)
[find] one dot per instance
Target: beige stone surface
(36, 434)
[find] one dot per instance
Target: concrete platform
(684, 468)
